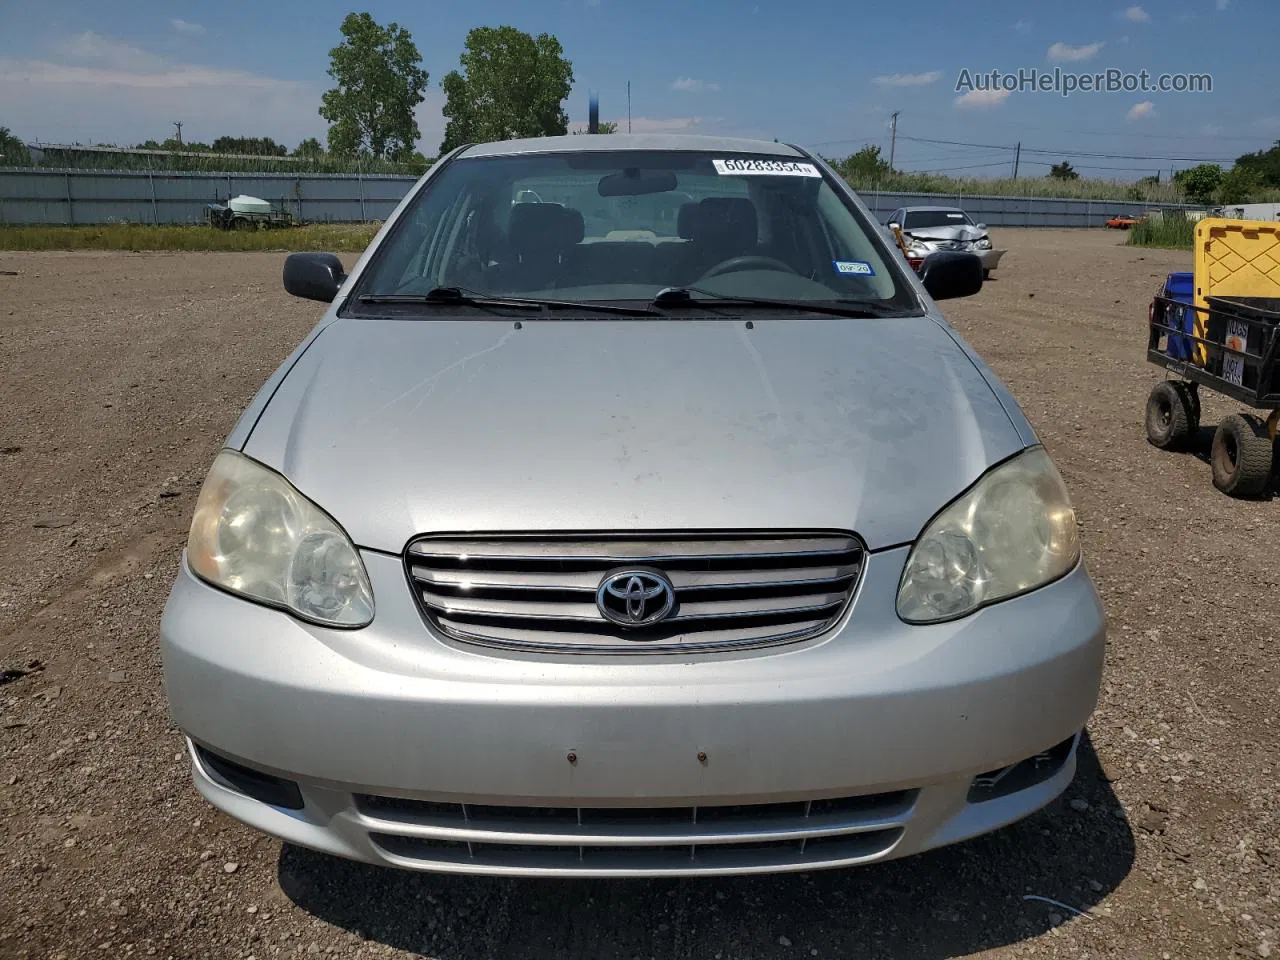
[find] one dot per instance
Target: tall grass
(337, 237)
(68, 157)
(1102, 190)
(1171, 231)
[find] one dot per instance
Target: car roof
(630, 141)
(933, 210)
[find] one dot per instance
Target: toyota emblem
(635, 598)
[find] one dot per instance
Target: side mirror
(313, 276)
(982, 226)
(947, 275)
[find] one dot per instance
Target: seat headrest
(685, 226)
(725, 218)
(544, 228)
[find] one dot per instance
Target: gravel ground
(119, 378)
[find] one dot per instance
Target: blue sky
(820, 73)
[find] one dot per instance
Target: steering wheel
(749, 262)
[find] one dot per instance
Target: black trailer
(1229, 347)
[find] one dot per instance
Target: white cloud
(1024, 26)
(94, 48)
(663, 124)
(1136, 14)
(1063, 52)
(690, 85)
(187, 27)
(981, 99)
(92, 88)
(908, 79)
(1142, 111)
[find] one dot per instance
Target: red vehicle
(1122, 222)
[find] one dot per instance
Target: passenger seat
(540, 237)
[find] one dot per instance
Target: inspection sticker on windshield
(775, 168)
(856, 268)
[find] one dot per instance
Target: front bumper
(990, 258)
(902, 717)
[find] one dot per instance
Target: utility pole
(178, 124)
(628, 106)
(1017, 157)
(893, 143)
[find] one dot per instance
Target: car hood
(404, 427)
(961, 232)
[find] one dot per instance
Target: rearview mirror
(634, 182)
(313, 276)
(982, 226)
(947, 275)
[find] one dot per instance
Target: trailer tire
(1242, 456)
(1169, 416)
(241, 223)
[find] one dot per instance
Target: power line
(1019, 125)
(1067, 153)
(970, 166)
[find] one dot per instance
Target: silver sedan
(693, 543)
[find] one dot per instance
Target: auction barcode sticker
(774, 168)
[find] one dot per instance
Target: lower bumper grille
(722, 590)
(600, 841)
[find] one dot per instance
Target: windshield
(624, 225)
(916, 219)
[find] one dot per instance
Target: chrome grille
(652, 840)
(538, 591)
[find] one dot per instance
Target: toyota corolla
(631, 511)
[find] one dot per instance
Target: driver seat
(719, 229)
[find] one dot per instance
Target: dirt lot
(120, 375)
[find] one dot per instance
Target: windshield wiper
(681, 296)
(457, 296)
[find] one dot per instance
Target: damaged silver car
(928, 230)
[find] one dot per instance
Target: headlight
(983, 244)
(917, 248)
(1013, 531)
(255, 535)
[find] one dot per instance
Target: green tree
(865, 166)
(172, 144)
(13, 152)
(380, 80)
(1264, 165)
(511, 85)
(1199, 183)
(256, 146)
(604, 126)
(1239, 185)
(310, 148)
(1063, 171)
